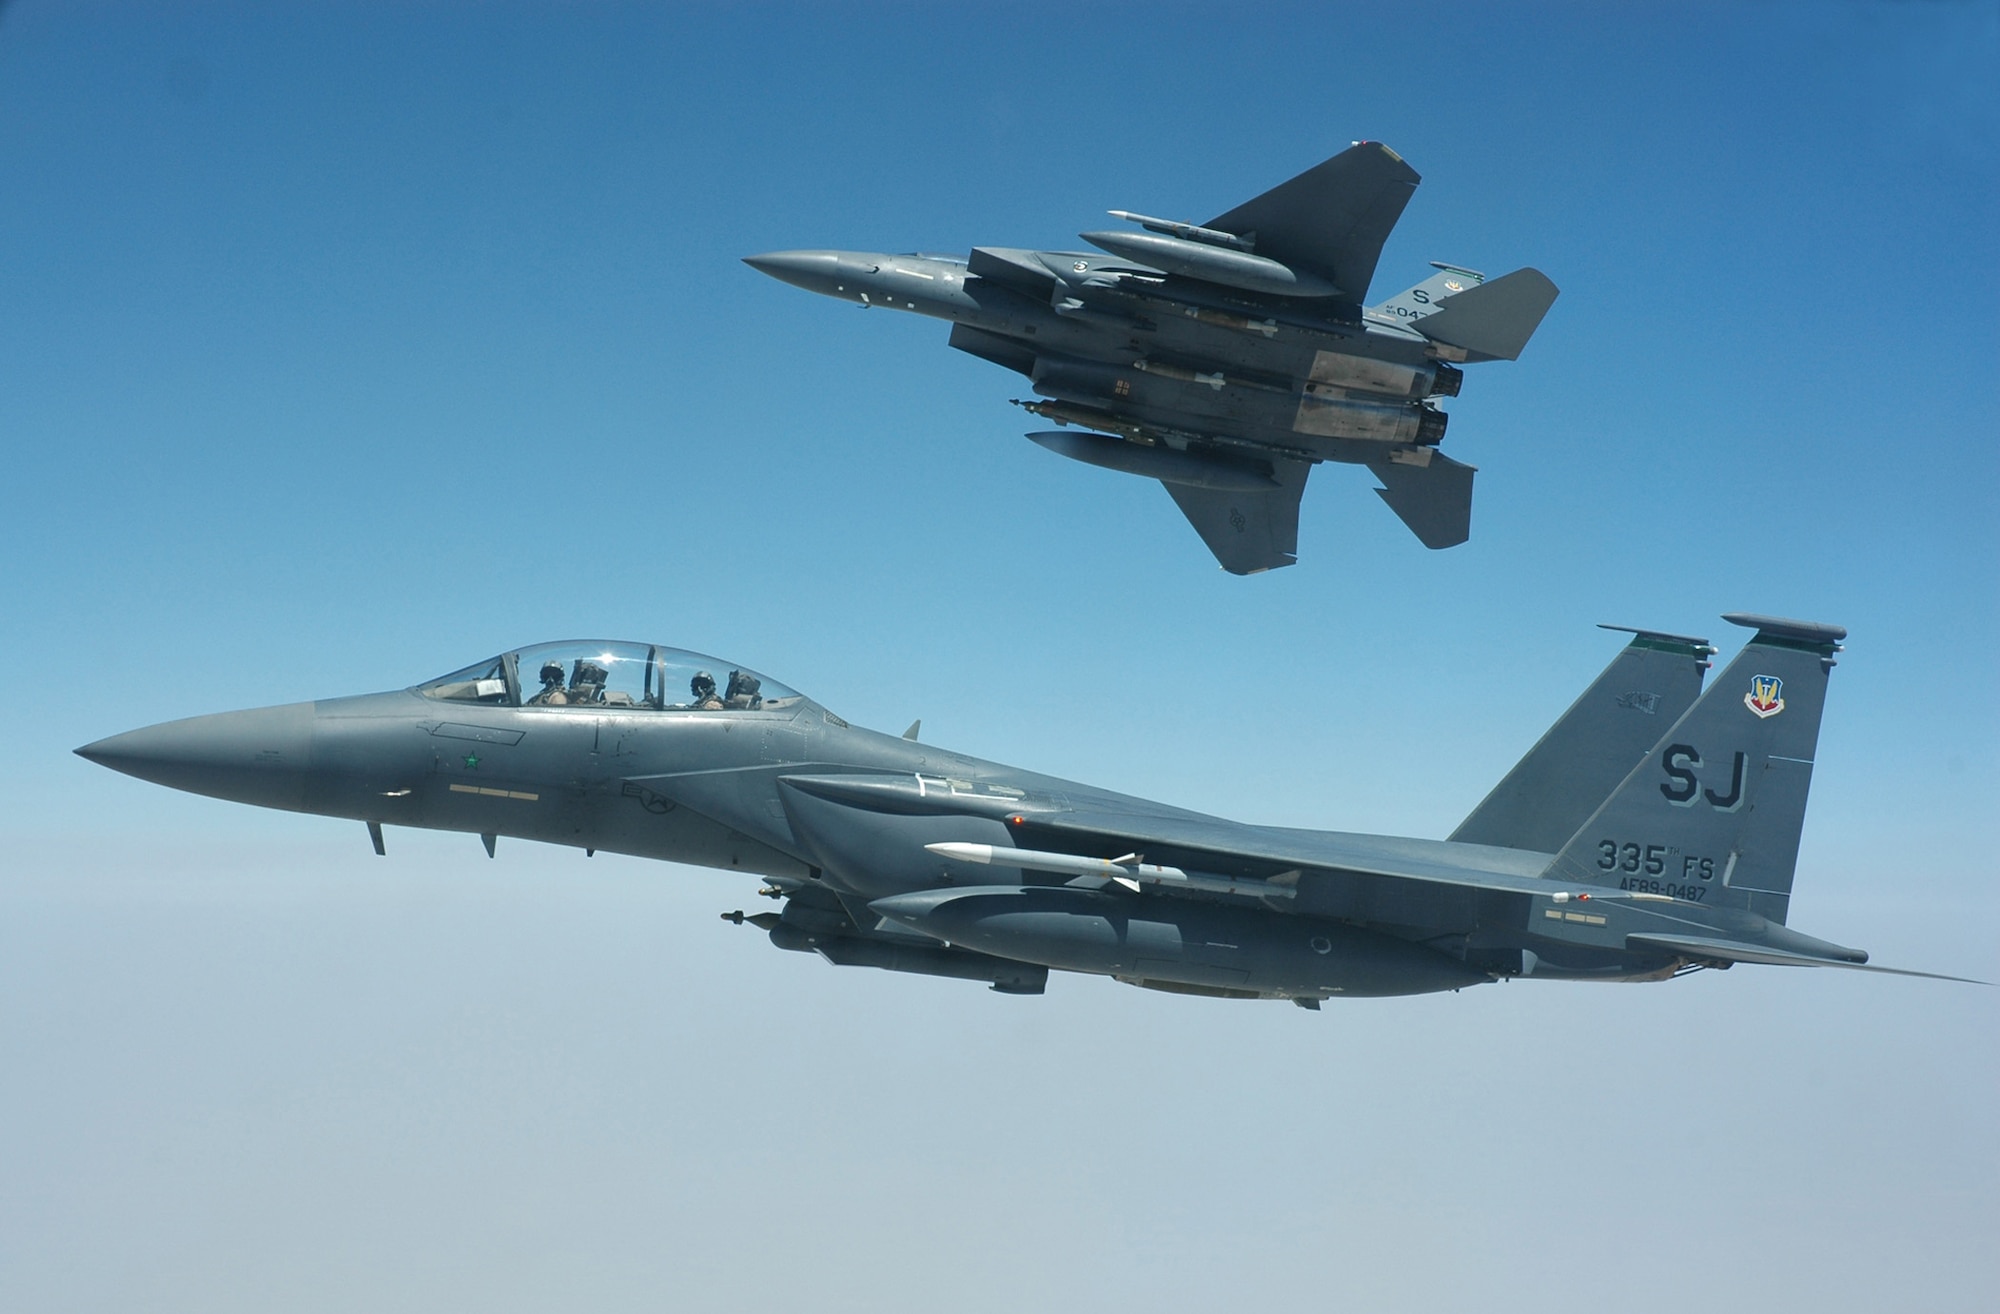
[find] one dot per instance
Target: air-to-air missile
(1226, 359)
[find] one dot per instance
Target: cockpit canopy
(587, 674)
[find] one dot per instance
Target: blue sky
(344, 345)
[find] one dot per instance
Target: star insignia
(471, 761)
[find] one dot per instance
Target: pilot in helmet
(703, 688)
(552, 685)
(741, 692)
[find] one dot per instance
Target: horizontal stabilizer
(1434, 500)
(1735, 951)
(1248, 531)
(1494, 320)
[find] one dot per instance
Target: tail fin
(1492, 321)
(1713, 813)
(1414, 303)
(1573, 769)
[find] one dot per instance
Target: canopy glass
(593, 674)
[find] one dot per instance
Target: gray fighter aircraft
(1226, 359)
(1652, 831)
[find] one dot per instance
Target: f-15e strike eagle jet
(1652, 831)
(1226, 359)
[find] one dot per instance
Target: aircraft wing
(1333, 218)
(1295, 858)
(1309, 871)
(1248, 531)
(1170, 835)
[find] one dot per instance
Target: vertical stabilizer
(1492, 321)
(1713, 813)
(1584, 755)
(1416, 302)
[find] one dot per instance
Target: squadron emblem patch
(1764, 697)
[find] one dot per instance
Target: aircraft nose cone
(815, 271)
(259, 757)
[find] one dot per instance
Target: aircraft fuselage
(892, 853)
(1160, 358)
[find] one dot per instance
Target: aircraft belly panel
(1327, 411)
(1367, 374)
(1188, 973)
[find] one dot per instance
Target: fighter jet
(1226, 359)
(1652, 831)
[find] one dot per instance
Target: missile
(1162, 463)
(1127, 871)
(1213, 264)
(1192, 232)
(1090, 417)
(1224, 319)
(1130, 871)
